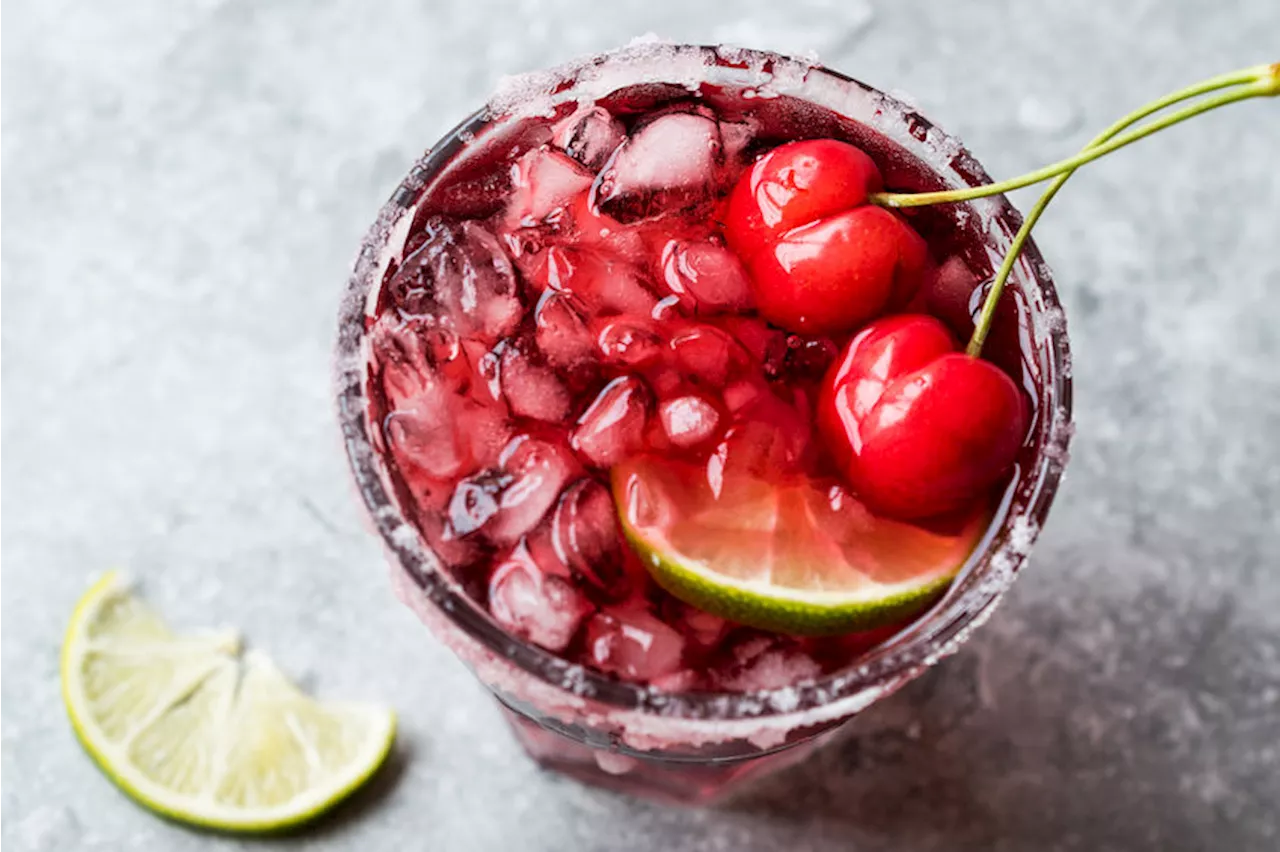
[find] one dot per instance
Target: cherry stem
(1260, 81)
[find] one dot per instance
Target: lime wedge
(190, 729)
(793, 556)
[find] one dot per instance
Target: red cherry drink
(690, 280)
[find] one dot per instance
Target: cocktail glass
(697, 747)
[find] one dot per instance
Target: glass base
(681, 781)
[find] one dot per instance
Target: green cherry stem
(1237, 78)
(1259, 81)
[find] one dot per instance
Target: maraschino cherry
(821, 260)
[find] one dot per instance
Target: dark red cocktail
(592, 412)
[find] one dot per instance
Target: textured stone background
(186, 184)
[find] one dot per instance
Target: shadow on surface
(362, 804)
(1086, 724)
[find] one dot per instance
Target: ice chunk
(504, 503)
(736, 136)
(613, 425)
(602, 282)
(688, 420)
(456, 553)
(700, 628)
(628, 342)
(461, 277)
(561, 331)
(633, 644)
(533, 605)
(684, 680)
(668, 163)
(485, 366)
(767, 438)
(544, 182)
(709, 274)
(586, 538)
(767, 663)
(707, 354)
(589, 136)
(475, 501)
(530, 387)
(434, 429)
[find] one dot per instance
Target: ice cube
(561, 330)
(633, 644)
(457, 553)
(533, 605)
(461, 277)
(589, 136)
(668, 163)
(544, 182)
(688, 420)
(531, 388)
(434, 428)
(403, 359)
(613, 425)
(684, 680)
(708, 273)
(763, 662)
(475, 501)
(766, 439)
(700, 628)
(505, 502)
(603, 282)
(586, 538)
(736, 136)
(628, 342)
(485, 370)
(707, 354)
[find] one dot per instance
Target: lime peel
(710, 582)
(189, 729)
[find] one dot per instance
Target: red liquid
(563, 304)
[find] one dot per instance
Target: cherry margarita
(588, 289)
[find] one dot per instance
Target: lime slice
(189, 728)
(793, 556)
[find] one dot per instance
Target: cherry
(820, 259)
(794, 184)
(834, 274)
(919, 428)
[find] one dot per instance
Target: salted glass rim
(990, 569)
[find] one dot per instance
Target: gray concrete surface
(186, 183)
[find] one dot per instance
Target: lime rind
(221, 663)
(783, 610)
(753, 598)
